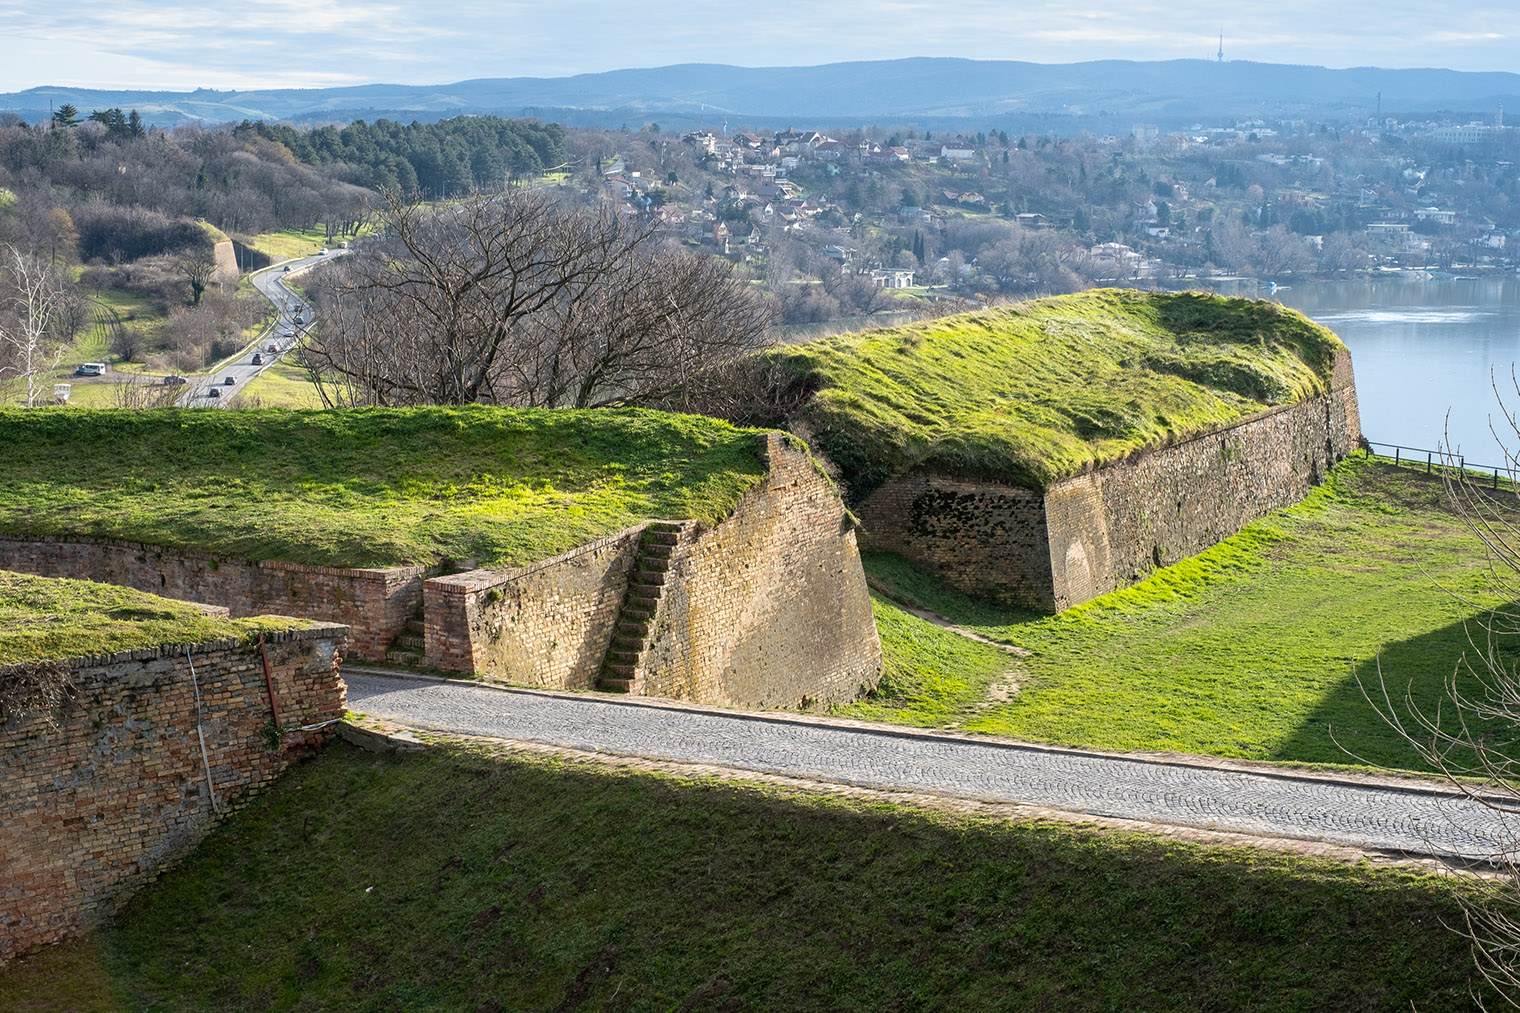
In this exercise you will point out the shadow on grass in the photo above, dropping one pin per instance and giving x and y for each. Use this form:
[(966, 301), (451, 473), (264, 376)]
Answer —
[(1347, 727)]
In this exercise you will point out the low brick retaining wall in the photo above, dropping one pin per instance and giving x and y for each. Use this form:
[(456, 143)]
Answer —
[(373, 603), (101, 798)]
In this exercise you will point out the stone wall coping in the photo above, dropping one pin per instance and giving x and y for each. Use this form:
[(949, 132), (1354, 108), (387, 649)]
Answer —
[(486, 578), (402, 572), (80, 662)]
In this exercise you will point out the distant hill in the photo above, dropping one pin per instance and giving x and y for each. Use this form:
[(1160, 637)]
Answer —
[(929, 92)]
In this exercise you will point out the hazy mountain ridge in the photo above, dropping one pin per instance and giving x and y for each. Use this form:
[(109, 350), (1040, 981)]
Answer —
[(927, 91)]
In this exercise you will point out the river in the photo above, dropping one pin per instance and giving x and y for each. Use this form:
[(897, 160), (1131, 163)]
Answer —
[(1424, 353)]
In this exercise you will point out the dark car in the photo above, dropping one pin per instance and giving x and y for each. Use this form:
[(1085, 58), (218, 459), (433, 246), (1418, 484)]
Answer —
[(230, 381), (258, 360), (214, 392), (172, 380)]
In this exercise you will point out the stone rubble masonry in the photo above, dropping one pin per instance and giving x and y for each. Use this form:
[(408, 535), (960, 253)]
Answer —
[(1092, 533), (768, 608), (373, 604), (111, 793)]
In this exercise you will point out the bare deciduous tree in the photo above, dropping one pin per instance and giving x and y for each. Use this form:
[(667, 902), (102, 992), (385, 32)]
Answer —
[(1482, 693), (31, 294), (517, 299), (198, 269)]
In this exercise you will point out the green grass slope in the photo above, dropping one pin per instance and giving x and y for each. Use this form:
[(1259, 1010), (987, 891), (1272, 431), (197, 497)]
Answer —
[(366, 487), (1043, 390), (42, 618), (1259, 647), (466, 880)]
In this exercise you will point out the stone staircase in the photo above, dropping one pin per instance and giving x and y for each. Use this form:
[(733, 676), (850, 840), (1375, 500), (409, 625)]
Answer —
[(646, 590), (408, 647)]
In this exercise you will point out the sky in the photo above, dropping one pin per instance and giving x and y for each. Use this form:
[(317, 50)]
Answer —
[(172, 45)]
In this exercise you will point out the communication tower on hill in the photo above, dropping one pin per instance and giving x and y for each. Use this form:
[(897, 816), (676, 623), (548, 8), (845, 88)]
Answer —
[(1221, 47)]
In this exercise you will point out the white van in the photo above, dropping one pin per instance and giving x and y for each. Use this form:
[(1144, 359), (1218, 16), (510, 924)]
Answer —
[(91, 369)]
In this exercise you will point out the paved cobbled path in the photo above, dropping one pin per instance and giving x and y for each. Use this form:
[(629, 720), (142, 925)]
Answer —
[(1414, 820)]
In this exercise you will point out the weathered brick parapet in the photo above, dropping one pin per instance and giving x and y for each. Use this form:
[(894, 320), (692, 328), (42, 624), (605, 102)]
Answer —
[(101, 798), (373, 603), (1092, 533), (767, 608)]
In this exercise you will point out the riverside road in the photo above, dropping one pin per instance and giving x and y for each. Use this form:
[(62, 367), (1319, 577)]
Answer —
[(1417, 820)]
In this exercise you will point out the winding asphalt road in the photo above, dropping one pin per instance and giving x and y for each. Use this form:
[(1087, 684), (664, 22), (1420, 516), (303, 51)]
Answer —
[(1415, 819), (282, 334)]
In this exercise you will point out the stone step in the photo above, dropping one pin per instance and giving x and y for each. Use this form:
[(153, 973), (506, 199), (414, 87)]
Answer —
[(638, 601), (627, 645), (610, 684), (616, 657), (650, 564), (416, 626), (653, 539), (664, 526), (415, 641), (619, 671), (637, 613), (649, 578), (398, 656)]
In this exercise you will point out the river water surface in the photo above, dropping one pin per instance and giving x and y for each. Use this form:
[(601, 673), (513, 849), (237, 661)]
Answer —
[(1426, 355)]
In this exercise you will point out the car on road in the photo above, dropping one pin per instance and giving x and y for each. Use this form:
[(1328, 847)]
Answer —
[(171, 380), (322, 252), (213, 392), (258, 360), (91, 369), (230, 381), (287, 267)]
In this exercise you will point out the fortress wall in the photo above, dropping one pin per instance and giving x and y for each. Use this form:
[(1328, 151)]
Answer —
[(979, 537), (547, 625), (101, 798), (1092, 533), (1161, 507), (374, 604), (770, 607)]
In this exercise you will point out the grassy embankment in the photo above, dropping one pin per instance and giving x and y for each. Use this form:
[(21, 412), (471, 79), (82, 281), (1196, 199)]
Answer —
[(1258, 647), (1035, 392), (464, 879), (366, 487), (43, 618)]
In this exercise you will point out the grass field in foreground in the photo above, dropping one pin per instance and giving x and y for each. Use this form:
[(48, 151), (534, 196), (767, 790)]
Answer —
[(1256, 648), (47, 618), (466, 880), (368, 486)]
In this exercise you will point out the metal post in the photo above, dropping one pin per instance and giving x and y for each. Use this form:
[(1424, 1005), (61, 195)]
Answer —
[(1395, 457), (1428, 456)]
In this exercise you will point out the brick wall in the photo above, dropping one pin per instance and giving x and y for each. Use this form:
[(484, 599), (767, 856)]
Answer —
[(770, 607), (547, 624), (105, 800), (767, 608), (374, 604), (1092, 533)]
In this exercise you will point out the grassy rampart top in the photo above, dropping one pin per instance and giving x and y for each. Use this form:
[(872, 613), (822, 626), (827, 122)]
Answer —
[(366, 487), (1043, 390), (46, 619)]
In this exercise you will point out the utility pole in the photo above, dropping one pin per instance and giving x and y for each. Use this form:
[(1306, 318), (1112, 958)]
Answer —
[(1221, 45)]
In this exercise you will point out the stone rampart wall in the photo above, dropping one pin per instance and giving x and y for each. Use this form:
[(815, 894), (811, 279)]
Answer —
[(1093, 533), (767, 608), (548, 624), (103, 797), (374, 604)]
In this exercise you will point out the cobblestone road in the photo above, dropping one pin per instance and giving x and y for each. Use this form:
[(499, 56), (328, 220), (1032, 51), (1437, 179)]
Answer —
[(1416, 821)]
